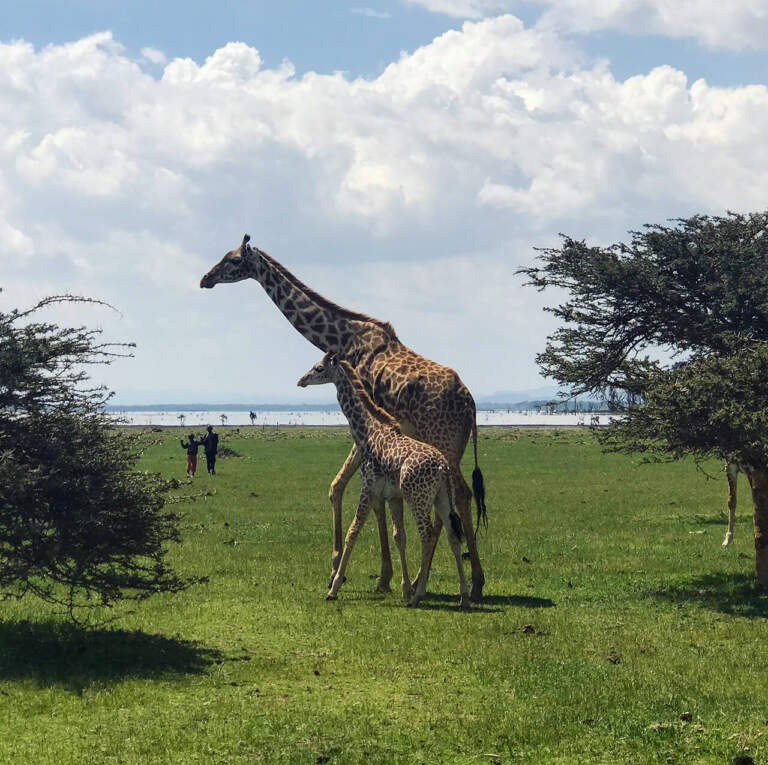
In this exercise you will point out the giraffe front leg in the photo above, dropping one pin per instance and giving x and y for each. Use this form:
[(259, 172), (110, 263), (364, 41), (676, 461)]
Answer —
[(398, 531), (385, 574), (336, 495), (361, 514)]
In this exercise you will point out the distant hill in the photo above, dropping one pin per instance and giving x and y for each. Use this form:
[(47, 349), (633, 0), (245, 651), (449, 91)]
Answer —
[(578, 405), (535, 398), (524, 399), (332, 406), (538, 398), (544, 393), (201, 407)]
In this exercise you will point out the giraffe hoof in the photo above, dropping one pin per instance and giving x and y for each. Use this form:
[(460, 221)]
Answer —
[(464, 602), (383, 587), (331, 596)]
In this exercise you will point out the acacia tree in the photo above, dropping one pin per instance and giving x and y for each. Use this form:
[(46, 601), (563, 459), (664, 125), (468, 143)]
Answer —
[(696, 293), (78, 525)]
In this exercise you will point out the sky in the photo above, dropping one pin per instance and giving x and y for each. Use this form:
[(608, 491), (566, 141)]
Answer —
[(403, 158)]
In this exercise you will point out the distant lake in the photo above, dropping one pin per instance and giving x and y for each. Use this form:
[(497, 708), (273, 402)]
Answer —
[(199, 419)]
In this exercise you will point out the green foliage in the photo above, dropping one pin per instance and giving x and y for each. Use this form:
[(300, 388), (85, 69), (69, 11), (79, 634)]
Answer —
[(698, 291), (77, 522), (711, 404)]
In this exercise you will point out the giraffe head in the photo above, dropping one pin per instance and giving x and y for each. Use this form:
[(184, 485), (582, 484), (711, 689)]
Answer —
[(235, 266), (321, 373)]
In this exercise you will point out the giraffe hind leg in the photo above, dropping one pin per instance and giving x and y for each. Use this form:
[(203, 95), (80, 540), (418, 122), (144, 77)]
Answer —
[(437, 528), (453, 530), (464, 509), (422, 514)]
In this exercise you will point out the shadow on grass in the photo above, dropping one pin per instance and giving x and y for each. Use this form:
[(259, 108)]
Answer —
[(728, 593), (439, 601), (721, 519), (56, 653), (490, 604)]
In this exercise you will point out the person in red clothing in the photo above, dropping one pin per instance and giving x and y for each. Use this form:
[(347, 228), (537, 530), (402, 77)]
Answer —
[(191, 446)]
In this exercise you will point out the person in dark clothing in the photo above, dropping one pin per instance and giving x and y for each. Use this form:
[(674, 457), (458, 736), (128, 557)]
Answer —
[(191, 446), (211, 444)]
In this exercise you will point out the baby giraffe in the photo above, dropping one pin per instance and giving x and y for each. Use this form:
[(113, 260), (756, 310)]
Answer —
[(393, 467)]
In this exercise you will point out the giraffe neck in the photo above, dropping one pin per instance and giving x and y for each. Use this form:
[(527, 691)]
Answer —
[(325, 324), (365, 418)]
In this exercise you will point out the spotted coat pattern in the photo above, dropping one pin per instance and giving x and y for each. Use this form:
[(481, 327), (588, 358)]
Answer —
[(393, 467), (429, 400)]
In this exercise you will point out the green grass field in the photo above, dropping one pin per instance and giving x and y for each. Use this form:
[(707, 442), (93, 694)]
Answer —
[(614, 629)]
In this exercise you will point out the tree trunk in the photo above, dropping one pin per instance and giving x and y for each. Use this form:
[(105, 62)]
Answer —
[(758, 480)]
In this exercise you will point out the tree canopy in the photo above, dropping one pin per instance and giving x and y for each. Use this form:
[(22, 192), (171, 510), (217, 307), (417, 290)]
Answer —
[(694, 288), (674, 326), (78, 525)]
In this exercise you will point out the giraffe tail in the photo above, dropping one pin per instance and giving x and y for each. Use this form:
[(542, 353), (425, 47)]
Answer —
[(456, 527), (478, 485), (453, 516)]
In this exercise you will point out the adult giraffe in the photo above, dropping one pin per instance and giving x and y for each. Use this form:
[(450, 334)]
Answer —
[(430, 401)]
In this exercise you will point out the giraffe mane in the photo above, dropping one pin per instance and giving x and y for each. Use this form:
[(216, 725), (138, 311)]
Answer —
[(373, 409), (323, 302)]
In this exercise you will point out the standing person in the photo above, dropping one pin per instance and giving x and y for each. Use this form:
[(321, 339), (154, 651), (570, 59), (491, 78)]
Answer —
[(191, 446), (211, 445)]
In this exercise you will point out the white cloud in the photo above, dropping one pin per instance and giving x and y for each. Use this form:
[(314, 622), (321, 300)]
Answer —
[(371, 13), (466, 9), (412, 196), (736, 24), (13, 242), (92, 162), (234, 64), (733, 25), (154, 55)]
